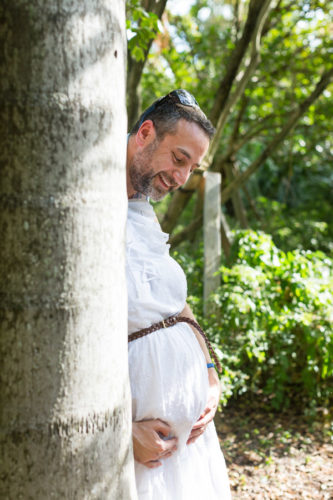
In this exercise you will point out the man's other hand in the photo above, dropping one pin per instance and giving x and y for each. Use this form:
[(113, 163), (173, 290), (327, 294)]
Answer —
[(148, 446), (214, 393)]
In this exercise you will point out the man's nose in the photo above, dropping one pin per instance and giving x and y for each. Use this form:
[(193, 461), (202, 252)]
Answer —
[(180, 175)]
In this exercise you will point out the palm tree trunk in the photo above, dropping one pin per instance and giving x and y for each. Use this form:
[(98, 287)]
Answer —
[(65, 403)]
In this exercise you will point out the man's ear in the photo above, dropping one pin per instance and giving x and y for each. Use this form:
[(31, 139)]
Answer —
[(146, 133)]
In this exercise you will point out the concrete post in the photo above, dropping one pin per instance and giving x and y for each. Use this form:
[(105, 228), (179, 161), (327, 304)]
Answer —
[(212, 235)]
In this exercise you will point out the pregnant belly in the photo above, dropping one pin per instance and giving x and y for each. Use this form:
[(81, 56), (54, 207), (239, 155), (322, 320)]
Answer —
[(168, 378)]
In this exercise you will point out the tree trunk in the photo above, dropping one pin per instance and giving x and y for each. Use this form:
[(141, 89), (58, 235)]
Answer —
[(187, 233), (258, 10), (179, 201), (253, 206), (65, 419), (236, 199)]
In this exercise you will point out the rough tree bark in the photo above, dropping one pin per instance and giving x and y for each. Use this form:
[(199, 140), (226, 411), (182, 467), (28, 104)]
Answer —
[(65, 404)]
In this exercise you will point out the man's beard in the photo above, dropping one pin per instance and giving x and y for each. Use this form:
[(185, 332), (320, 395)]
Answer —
[(142, 175)]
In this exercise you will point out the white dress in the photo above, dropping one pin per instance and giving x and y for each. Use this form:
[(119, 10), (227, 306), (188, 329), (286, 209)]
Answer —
[(168, 372)]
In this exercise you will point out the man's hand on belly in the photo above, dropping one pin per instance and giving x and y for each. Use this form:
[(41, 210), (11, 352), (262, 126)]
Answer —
[(148, 446), (214, 392)]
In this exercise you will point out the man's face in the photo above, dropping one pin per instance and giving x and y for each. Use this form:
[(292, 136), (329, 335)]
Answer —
[(162, 166)]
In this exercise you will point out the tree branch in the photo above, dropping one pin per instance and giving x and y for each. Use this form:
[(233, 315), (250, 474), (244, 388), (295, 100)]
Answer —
[(179, 201), (236, 58), (243, 79), (295, 116), (177, 238)]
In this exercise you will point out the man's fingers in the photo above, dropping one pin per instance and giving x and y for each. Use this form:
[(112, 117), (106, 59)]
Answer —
[(203, 421), (193, 438), (153, 464), (198, 432), (195, 433), (162, 427), (170, 444), (190, 441)]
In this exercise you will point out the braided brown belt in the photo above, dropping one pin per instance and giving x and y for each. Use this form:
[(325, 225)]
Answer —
[(171, 321)]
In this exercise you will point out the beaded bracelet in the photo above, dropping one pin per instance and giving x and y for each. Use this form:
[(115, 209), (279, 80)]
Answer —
[(210, 365)]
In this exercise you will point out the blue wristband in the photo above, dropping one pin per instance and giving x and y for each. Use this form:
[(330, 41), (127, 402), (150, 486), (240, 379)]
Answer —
[(210, 365)]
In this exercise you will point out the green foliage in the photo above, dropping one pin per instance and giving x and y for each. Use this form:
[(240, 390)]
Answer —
[(192, 263), (296, 49), (307, 227), (143, 27), (273, 321)]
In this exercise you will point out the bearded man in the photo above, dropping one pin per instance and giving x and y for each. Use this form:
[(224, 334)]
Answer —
[(174, 384)]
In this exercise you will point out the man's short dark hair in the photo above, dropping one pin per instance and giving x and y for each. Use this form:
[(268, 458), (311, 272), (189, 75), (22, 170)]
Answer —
[(166, 112)]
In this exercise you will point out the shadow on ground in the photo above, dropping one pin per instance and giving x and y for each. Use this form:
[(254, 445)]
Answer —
[(276, 455)]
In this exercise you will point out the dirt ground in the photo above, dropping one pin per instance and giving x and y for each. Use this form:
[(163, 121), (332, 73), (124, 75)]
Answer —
[(276, 456)]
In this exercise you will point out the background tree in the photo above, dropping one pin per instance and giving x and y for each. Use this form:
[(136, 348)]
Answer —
[(65, 404), (249, 64), (262, 70)]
